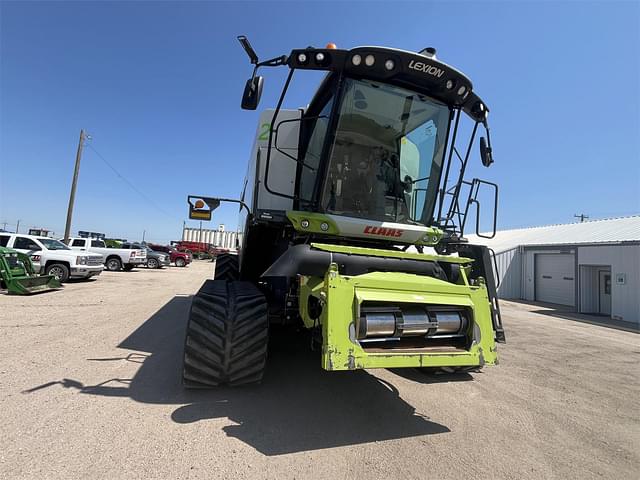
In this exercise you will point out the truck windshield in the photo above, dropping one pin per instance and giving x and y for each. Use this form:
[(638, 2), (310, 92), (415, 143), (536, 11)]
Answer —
[(387, 155), (51, 244)]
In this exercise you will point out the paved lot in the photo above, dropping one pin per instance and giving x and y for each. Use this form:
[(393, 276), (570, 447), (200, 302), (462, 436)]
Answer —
[(90, 388)]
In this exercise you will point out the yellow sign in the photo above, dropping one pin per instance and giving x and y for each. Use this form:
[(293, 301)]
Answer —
[(200, 214)]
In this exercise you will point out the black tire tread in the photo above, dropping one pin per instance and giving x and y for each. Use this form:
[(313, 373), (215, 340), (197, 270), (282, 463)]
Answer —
[(65, 269), (226, 267), (227, 335), (114, 258)]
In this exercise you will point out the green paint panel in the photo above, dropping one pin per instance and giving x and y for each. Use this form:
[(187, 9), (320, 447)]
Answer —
[(341, 296), (316, 222)]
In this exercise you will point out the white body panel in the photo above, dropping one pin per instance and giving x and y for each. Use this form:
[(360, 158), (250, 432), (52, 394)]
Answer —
[(364, 228), (282, 169)]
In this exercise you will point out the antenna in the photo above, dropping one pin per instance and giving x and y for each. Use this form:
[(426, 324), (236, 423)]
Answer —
[(248, 48)]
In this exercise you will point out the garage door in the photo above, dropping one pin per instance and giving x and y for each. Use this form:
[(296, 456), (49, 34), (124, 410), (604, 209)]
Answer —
[(555, 278)]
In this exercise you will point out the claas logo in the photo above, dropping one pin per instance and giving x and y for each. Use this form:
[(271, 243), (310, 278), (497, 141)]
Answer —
[(200, 208), (386, 232)]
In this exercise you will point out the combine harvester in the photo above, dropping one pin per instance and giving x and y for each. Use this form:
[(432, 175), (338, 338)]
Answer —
[(18, 276), (339, 201)]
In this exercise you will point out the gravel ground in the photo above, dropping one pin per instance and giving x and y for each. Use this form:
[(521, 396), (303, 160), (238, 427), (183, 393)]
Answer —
[(90, 388)]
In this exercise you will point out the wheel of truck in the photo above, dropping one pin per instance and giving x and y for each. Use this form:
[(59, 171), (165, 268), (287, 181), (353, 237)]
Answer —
[(152, 263), (59, 271), (113, 264), (227, 335), (226, 267), (180, 262), (128, 267)]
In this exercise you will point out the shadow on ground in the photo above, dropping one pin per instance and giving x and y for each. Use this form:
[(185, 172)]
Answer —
[(298, 406), (418, 376)]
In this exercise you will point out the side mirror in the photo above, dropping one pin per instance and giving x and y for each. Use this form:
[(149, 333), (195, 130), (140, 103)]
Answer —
[(252, 93), (485, 153)]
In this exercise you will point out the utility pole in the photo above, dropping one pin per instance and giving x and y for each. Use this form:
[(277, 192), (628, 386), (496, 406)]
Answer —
[(4, 225), (581, 216), (143, 233), (200, 237), (17, 226), (72, 195)]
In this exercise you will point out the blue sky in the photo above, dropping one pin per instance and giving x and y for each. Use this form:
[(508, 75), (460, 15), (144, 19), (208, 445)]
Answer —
[(158, 86)]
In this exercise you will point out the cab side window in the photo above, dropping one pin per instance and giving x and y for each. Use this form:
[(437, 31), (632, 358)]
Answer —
[(4, 240), (78, 243), (25, 244), (308, 174)]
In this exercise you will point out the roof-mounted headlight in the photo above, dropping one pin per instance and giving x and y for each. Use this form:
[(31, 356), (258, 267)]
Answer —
[(389, 64), (356, 59), (369, 60), (302, 58)]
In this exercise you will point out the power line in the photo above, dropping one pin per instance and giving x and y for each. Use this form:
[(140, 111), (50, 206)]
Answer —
[(124, 179)]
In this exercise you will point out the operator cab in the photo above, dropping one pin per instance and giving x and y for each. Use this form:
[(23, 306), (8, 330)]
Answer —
[(377, 141)]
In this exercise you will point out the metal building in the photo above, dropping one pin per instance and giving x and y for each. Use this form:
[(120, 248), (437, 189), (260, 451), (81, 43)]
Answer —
[(591, 267), (220, 237)]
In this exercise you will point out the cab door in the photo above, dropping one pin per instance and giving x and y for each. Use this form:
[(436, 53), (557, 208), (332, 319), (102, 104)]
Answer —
[(78, 244), (25, 245)]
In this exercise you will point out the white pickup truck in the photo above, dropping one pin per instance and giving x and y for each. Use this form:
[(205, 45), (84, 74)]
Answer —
[(53, 257), (114, 258)]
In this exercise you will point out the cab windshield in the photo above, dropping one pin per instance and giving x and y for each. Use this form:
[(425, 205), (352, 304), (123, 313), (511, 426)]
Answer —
[(387, 155)]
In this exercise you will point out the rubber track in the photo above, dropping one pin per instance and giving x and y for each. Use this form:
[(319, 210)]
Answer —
[(226, 267), (227, 335)]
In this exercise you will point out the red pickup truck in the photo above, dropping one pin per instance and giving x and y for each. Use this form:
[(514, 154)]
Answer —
[(179, 259), (199, 247)]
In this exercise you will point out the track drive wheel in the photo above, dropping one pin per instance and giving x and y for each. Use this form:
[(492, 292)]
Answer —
[(227, 336), (226, 267)]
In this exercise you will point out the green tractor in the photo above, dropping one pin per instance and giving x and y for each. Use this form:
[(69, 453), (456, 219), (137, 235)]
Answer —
[(340, 201), (18, 276)]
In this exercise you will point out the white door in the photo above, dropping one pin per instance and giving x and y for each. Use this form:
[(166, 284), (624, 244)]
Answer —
[(604, 292), (555, 278)]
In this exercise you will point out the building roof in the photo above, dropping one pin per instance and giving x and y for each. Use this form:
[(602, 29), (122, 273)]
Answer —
[(608, 230)]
